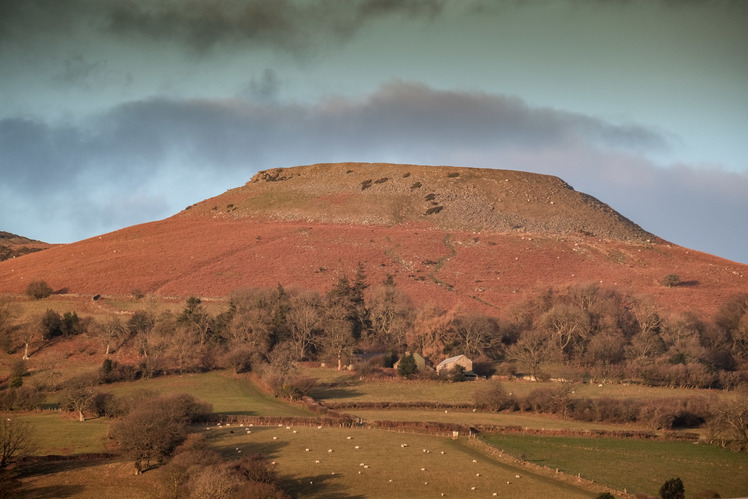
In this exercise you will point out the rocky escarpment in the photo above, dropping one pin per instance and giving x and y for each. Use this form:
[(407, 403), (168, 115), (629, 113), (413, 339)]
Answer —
[(443, 197)]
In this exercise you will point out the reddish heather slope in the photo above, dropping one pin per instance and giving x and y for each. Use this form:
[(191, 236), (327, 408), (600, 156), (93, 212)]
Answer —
[(498, 235)]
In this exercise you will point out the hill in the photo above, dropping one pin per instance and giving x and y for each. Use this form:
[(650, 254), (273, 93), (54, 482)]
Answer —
[(475, 238), (13, 246)]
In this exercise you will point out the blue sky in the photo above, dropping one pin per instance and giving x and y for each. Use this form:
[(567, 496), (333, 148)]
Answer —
[(114, 113)]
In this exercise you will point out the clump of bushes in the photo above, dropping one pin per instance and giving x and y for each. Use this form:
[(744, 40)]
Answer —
[(38, 290), (290, 387), (670, 280)]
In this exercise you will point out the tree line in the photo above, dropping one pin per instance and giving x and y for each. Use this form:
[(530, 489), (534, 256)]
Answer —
[(582, 332)]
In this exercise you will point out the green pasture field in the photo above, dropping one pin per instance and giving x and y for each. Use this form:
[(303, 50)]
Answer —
[(345, 387), (634, 465), (381, 467), (535, 421), (62, 434), (229, 393)]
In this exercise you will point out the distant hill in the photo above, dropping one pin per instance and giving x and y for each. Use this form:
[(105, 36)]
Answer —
[(12, 245), (472, 238)]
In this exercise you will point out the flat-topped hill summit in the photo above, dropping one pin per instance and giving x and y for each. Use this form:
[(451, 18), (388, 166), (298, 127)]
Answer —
[(452, 237), (442, 197)]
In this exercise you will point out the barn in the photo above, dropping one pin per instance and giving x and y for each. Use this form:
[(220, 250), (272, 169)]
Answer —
[(458, 360)]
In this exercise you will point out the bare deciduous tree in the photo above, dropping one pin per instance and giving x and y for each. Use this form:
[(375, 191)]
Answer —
[(304, 322), (391, 315), (15, 441), (111, 332), (532, 351)]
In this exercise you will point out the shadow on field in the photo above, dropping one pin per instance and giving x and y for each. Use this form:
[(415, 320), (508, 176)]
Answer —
[(49, 492), (237, 413), (316, 486), (334, 393), (42, 466)]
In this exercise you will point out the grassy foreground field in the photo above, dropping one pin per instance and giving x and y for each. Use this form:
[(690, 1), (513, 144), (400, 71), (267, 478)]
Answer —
[(635, 465), (366, 471), (374, 463), (379, 468)]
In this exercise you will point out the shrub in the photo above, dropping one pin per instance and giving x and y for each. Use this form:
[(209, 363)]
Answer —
[(456, 374), (407, 367), (493, 397), (670, 280), (290, 387), (17, 371), (239, 360), (154, 429), (38, 290), (673, 489)]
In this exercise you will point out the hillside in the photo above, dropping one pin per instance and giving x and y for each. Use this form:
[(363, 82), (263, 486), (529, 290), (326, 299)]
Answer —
[(440, 197), (449, 236), (13, 246)]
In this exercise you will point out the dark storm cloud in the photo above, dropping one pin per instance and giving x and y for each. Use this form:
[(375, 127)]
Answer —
[(225, 133), (290, 25), (136, 146)]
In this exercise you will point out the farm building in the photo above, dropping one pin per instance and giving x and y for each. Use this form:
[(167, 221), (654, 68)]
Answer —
[(420, 361), (450, 363)]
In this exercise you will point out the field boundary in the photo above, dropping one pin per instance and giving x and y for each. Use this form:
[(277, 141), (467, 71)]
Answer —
[(499, 455)]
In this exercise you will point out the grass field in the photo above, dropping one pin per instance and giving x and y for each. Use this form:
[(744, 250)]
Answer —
[(60, 433), (635, 465), (381, 467), (56, 433), (448, 467), (345, 387), (229, 394)]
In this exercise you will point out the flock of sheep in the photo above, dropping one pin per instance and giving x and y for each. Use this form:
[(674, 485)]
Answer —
[(362, 465)]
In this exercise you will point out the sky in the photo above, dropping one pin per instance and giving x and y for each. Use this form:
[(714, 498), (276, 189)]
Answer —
[(119, 112)]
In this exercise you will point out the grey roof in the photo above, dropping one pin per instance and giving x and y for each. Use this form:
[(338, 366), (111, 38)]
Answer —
[(450, 360)]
